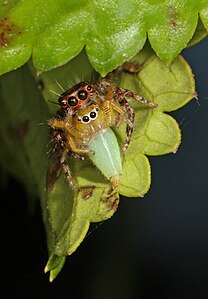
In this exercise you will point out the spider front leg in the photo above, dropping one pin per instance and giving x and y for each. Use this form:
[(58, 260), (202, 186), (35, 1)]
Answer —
[(125, 93), (70, 135), (57, 160), (63, 146), (129, 110), (129, 125), (121, 95), (58, 139), (110, 108), (67, 170), (78, 156)]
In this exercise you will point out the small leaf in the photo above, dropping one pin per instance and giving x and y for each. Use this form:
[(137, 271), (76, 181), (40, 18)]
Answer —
[(136, 175), (170, 87), (54, 265), (199, 34), (170, 33), (162, 135)]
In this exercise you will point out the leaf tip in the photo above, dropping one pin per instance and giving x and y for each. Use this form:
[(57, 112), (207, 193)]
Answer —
[(51, 277), (46, 269)]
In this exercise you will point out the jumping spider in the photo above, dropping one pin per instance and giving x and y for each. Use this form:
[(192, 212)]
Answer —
[(87, 111)]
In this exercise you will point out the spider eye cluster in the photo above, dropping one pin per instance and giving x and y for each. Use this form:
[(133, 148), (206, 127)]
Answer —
[(74, 97), (73, 101), (92, 115)]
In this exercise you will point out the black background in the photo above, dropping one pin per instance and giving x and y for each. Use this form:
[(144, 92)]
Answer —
[(156, 247)]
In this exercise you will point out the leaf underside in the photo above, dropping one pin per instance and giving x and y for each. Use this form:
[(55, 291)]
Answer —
[(55, 31)]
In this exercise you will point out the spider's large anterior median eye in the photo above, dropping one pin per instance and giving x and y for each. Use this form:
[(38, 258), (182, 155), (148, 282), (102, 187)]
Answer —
[(85, 119), (72, 101), (93, 114), (82, 95)]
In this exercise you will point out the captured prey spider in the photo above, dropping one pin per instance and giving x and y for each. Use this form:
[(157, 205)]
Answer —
[(82, 127)]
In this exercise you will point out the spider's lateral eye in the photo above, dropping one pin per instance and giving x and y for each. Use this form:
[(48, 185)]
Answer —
[(63, 103), (89, 87), (82, 95), (85, 119), (72, 101), (79, 119), (93, 114), (97, 109)]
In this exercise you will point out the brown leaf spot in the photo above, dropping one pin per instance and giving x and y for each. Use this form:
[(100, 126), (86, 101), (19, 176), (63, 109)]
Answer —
[(111, 201), (7, 32), (87, 191), (173, 17)]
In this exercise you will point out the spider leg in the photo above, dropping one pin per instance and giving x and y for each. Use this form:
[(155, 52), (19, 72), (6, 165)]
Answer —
[(78, 156), (129, 126), (67, 170), (68, 173), (109, 107), (59, 153), (120, 111), (121, 95), (70, 133), (129, 110), (130, 94)]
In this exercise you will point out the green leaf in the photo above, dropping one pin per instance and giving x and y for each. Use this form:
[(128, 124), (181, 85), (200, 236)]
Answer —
[(67, 228), (162, 135), (204, 17), (136, 175), (76, 210), (170, 33), (155, 133), (6, 5), (54, 265), (172, 86), (113, 31), (199, 34), (67, 214), (23, 130)]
